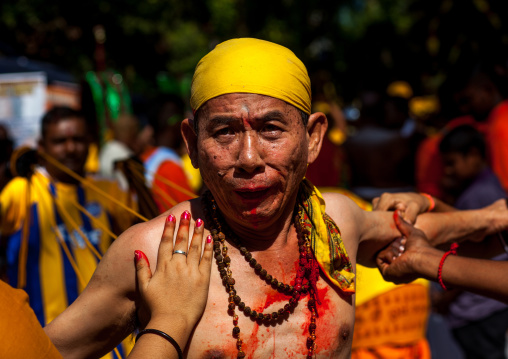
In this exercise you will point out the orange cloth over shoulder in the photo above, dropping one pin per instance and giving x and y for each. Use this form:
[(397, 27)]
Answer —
[(22, 335)]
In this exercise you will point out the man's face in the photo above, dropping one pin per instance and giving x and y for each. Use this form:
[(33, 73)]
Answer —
[(461, 168), (67, 142), (252, 152)]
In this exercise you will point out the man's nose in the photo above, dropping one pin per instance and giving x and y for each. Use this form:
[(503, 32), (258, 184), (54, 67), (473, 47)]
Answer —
[(448, 170), (250, 159), (70, 146)]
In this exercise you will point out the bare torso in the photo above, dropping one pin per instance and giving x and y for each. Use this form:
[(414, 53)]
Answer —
[(114, 281), (286, 338)]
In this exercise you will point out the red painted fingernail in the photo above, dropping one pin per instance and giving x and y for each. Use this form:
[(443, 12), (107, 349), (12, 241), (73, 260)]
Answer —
[(199, 222), (170, 218), (186, 215), (146, 258), (209, 239), (139, 254), (396, 216)]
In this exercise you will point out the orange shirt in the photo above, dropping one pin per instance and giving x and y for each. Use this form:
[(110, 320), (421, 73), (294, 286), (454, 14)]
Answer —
[(22, 335)]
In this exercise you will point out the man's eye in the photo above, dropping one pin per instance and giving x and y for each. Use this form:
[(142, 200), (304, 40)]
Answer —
[(224, 132), (271, 129)]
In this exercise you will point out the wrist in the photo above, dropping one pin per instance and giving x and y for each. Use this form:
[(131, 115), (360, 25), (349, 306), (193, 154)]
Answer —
[(425, 262), (431, 204), (170, 345), (166, 321), (177, 328), (496, 221)]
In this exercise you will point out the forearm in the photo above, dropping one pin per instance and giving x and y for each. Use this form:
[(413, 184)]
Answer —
[(458, 226), (440, 206), (100, 329), (485, 277), (378, 231), (154, 346)]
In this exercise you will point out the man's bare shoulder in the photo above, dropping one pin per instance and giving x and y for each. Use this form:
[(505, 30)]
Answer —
[(348, 217), (340, 206), (146, 236)]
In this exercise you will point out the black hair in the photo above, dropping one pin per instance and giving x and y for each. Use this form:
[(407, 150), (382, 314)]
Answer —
[(463, 139), (156, 113), (305, 118), (57, 114)]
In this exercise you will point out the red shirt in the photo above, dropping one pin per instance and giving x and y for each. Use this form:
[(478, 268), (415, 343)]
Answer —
[(165, 177), (496, 137)]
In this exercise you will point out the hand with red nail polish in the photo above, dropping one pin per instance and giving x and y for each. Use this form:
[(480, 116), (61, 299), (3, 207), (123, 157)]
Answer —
[(175, 294)]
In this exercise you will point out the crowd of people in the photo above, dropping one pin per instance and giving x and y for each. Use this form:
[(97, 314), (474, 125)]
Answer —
[(332, 236)]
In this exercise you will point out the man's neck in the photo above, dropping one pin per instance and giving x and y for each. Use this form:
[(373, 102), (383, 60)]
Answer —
[(273, 236), (64, 178)]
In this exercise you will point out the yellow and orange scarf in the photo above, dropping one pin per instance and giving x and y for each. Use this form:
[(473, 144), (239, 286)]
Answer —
[(326, 241)]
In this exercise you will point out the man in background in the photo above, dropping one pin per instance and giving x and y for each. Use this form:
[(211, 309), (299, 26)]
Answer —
[(55, 226), (479, 324)]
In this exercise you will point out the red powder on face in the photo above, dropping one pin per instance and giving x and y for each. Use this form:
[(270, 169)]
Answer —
[(253, 212)]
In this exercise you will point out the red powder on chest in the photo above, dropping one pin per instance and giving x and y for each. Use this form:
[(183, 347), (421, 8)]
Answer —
[(276, 297)]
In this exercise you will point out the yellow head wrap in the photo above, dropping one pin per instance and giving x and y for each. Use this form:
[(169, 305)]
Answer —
[(251, 66)]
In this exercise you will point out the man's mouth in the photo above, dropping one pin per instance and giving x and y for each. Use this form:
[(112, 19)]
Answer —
[(250, 194), (71, 164)]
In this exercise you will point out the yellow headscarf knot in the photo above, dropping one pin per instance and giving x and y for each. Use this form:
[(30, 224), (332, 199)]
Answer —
[(249, 65)]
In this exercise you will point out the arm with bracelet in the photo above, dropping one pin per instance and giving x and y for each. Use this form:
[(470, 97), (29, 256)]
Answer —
[(181, 281), (411, 204), (411, 257), (428, 212), (175, 294)]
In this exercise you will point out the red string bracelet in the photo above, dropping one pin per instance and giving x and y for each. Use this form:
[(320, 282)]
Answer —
[(453, 251), (432, 203)]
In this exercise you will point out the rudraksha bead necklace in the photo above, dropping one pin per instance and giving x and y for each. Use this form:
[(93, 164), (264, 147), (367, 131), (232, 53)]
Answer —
[(307, 275)]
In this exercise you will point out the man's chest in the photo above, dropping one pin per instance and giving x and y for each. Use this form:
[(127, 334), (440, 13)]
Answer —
[(285, 337)]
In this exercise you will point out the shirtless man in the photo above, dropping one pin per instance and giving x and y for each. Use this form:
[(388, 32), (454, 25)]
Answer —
[(252, 139)]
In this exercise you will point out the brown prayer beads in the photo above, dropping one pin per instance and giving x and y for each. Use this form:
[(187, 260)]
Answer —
[(296, 291)]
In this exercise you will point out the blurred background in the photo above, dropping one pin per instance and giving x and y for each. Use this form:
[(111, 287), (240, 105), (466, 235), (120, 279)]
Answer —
[(356, 42), (397, 79)]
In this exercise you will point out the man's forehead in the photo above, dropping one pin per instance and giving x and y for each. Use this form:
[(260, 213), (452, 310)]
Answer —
[(67, 125), (247, 111), (240, 104)]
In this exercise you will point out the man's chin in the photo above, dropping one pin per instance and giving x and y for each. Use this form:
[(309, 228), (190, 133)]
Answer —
[(260, 213), (63, 176), (254, 219)]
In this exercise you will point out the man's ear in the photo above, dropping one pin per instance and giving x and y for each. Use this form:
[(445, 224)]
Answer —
[(40, 145), (191, 140), (316, 129)]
